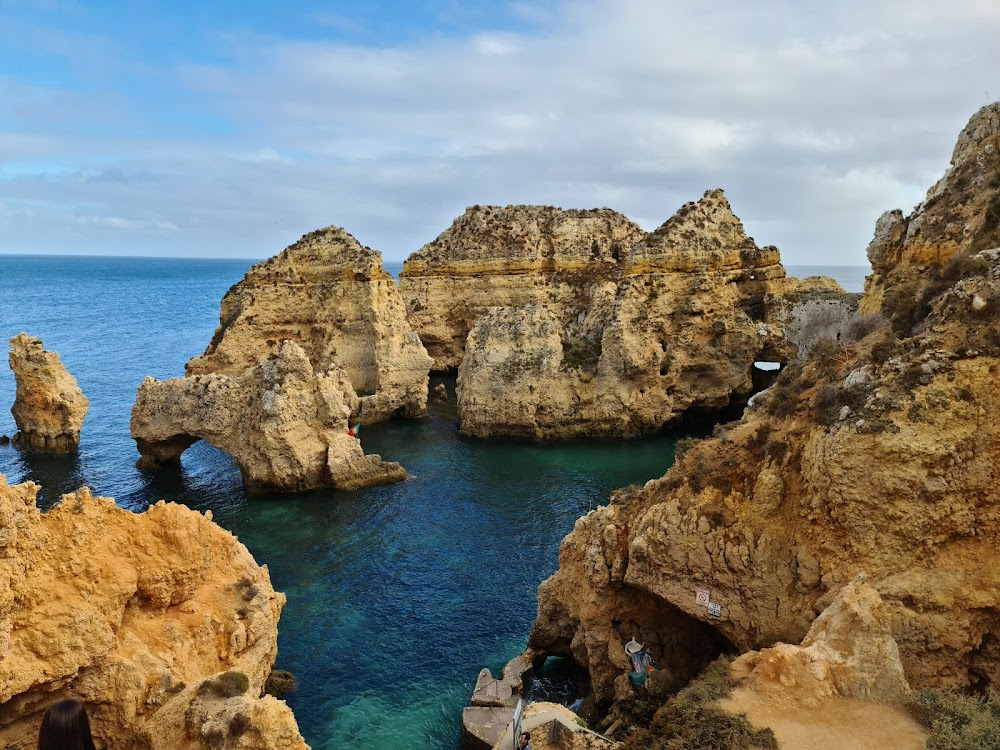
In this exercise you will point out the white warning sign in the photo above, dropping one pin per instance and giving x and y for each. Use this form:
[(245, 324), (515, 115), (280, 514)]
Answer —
[(715, 609), (701, 597)]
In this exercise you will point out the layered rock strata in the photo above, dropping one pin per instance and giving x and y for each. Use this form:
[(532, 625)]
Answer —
[(49, 406), (875, 455), (331, 296), (161, 623), (512, 256), (618, 341), (284, 424)]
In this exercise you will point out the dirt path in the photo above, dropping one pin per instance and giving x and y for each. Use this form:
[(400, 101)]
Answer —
[(836, 724)]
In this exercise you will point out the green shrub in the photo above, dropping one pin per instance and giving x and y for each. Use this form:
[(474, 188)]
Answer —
[(226, 685), (955, 721), (688, 721), (581, 352)]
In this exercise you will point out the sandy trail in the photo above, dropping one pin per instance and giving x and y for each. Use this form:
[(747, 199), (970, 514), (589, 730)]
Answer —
[(835, 724)]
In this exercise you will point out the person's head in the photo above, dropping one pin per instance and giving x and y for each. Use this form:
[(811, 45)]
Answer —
[(65, 726), (523, 740)]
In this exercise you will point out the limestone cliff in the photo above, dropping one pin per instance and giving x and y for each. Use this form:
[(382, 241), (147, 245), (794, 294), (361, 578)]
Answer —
[(510, 256), (160, 622), (49, 406), (634, 340), (284, 424), (331, 296), (960, 215), (874, 455)]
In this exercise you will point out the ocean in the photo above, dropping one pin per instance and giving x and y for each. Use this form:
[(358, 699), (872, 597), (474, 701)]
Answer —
[(397, 595)]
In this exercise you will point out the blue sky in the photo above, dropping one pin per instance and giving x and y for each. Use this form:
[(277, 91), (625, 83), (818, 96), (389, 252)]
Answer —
[(229, 129)]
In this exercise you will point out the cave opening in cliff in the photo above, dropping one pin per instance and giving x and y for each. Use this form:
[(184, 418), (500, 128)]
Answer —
[(681, 646)]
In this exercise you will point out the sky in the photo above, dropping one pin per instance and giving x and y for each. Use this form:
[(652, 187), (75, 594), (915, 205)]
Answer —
[(230, 129)]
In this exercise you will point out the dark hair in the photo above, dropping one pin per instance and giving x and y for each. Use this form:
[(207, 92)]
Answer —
[(65, 727)]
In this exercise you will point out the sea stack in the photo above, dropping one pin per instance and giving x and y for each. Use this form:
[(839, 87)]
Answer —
[(161, 623), (875, 455), (49, 406), (579, 324), (310, 340), (331, 296)]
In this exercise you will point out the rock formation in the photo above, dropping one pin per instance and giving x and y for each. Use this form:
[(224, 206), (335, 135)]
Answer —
[(510, 256), (161, 623), (331, 296), (285, 425), (609, 333), (875, 455), (961, 215), (49, 406), (849, 651)]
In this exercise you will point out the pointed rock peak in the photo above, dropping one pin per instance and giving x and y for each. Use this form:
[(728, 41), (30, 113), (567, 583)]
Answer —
[(979, 136), (328, 250), (712, 214), (703, 235)]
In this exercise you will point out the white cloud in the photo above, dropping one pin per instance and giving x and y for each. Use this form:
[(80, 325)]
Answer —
[(814, 117)]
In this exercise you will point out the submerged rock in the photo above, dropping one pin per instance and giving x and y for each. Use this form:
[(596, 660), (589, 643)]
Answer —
[(284, 424), (49, 406), (614, 342), (161, 623), (875, 455)]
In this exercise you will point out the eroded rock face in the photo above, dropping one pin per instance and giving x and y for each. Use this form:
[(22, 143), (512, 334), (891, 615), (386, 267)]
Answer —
[(510, 256), (961, 214), (874, 456), (671, 324), (331, 296), (49, 406), (849, 651), (138, 616), (284, 424)]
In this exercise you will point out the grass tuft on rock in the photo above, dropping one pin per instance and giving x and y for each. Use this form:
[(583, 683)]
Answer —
[(956, 721), (689, 721), (226, 685)]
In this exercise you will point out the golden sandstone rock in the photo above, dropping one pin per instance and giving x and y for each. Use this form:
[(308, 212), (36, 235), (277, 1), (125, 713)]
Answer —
[(49, 406), (308, 340), (332, 297), (160, 623), (875, 455), (599, 331), (284, 424)]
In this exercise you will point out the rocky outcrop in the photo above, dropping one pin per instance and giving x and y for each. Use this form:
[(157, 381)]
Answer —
[(875, 455), (161, 623), (49, 406), (631, 341), (284, 424), (511, 256), (849, 651), (959, 216), (331, 296)]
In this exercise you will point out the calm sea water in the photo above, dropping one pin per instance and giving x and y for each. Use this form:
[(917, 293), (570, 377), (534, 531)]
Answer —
[(397, 595)]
